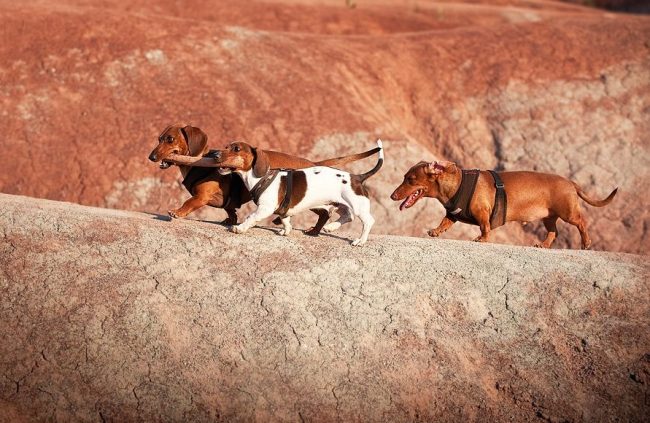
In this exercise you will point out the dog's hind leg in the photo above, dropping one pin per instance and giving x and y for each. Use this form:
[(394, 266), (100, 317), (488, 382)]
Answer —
[(323, 216), (550, 223), (361, 208), (579, 222), (232, 217), (345, 216), (571, 213)]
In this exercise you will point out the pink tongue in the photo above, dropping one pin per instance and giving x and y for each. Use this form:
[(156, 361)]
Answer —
[(407, 202)]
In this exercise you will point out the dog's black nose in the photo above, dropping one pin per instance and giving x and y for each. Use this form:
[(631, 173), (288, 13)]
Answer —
[(153, 157), (214, 154)]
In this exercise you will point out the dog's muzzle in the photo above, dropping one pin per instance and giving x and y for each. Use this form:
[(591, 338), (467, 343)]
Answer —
[(153, 157), (214, 154)]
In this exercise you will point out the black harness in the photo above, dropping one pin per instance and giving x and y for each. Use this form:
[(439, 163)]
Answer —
[(458, 206), (266, 181), (498, 216)]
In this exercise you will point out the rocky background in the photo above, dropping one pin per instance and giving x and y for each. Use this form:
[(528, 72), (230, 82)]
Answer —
[(115, 316), (87, 85)]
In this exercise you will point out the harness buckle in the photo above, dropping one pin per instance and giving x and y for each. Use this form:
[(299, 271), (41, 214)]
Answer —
[(499, 184)]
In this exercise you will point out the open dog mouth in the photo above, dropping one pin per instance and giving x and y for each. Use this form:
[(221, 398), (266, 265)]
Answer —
[(411, 199), (164, 164), (226, 170)]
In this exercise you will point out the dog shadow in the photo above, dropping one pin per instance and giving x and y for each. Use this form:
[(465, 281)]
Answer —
[(273, 230), (161, 217), (168, 218), (276, 230), (330, 235)]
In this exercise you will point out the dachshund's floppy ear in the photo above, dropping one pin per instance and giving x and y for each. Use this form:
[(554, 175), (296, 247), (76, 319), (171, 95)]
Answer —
[(261, 165), (197, 140), (436, 168)]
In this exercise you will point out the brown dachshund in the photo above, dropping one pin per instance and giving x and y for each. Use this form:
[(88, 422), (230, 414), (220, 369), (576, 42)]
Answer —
[(208, 187), (530, 196)]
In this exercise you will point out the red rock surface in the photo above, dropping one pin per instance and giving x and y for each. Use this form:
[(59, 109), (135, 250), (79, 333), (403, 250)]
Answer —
[(86, 86), (116, 316)]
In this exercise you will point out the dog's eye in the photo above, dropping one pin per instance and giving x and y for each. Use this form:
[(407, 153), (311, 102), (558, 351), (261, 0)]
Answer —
[(170, 139), (236, 149)]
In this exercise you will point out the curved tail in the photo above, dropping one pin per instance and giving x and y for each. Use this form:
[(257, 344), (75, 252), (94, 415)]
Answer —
[(595, 203), (375, 169), (347, 159)]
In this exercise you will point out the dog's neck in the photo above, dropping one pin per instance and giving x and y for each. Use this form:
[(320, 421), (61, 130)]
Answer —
[(448, 188), (249, 178)]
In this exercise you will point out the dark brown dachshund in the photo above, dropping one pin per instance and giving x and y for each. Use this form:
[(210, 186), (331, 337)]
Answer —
[(530, 196), (228, 192)]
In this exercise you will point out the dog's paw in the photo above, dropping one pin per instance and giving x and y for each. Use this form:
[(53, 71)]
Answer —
[(228, 221), (480, 239), (358, 242), (238, 229), (331, 227), (433, 233), (173, 214), (312, 231), (284, 232)]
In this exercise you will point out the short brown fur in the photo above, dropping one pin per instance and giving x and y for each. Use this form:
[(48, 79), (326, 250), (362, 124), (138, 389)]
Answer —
[(298, 190), (531, 196)]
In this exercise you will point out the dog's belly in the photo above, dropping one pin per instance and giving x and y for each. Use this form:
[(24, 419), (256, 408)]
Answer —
[(528, 208), (313, 201), (529, 213)]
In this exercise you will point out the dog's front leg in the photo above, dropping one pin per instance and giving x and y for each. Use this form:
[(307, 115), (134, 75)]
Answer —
[(262, 212), (445, 224), (192, 204), (286, 222), (484, 223)]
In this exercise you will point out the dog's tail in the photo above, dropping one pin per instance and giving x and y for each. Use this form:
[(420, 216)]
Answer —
[(595, 203), (375, 169), (338, 161)]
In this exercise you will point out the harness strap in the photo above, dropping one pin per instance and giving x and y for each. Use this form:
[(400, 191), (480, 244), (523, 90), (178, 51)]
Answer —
[(458, 206), (284, 206), (263, 184), (498, 216)]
